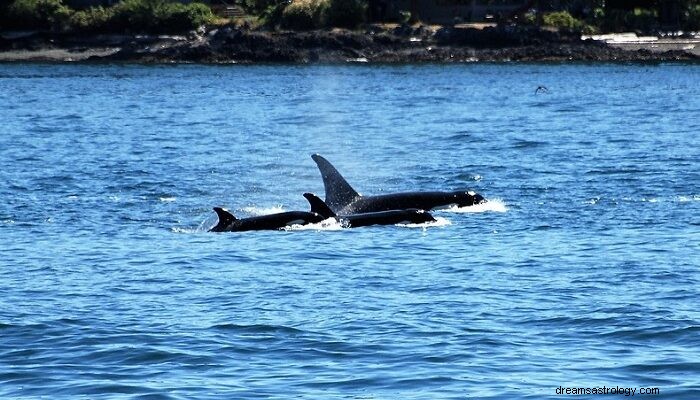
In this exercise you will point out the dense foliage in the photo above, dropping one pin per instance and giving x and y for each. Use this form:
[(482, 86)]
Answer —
[(316, 14), (593, 15), (153, 16), (35, 14), (171, 16), (305, 14), (561, 19)]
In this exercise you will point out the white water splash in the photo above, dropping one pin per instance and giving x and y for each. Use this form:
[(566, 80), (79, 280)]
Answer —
[(184, 230), (495, 205), (255, 211), (439, 221), (686, 199), (167, 199), (204, 226), (330, 224)]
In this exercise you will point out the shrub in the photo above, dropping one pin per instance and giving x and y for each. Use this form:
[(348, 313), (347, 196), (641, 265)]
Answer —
[(404, 16), (134, 15), (261, 6), (347, 13), (305, 14), (178, 17), (94, 19), (564, 20), (159, 16), (561, 19), (529, 18)]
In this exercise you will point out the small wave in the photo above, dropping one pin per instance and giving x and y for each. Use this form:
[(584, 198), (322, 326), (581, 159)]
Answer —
[(495, 205), (167, 199), (469, 177), (673, 335), (525, 144), (258, 328)]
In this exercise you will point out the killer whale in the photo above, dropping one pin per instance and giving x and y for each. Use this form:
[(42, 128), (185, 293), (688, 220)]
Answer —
[(229, 223), (344, 200), (391, 217)]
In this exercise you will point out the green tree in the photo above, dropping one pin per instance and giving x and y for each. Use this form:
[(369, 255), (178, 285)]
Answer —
[(37, 14)]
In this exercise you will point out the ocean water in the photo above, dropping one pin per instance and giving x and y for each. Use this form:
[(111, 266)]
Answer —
[(581, 272)]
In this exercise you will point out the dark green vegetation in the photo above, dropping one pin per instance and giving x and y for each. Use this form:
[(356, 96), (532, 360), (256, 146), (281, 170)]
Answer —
[(314, 14), (169, 16), (601, 16), (136, 16)]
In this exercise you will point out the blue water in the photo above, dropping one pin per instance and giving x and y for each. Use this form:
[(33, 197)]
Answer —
[(583, 270)]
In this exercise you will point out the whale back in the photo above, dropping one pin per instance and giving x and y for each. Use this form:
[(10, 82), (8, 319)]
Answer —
[(339, 193)]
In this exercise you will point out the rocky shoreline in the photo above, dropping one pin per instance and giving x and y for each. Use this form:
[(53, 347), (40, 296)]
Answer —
[(400, 44)]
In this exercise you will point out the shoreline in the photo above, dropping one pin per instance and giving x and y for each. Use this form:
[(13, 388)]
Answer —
[(377, 44)]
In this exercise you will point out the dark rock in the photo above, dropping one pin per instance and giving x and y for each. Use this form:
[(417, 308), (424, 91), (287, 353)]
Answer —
[(449, 44)]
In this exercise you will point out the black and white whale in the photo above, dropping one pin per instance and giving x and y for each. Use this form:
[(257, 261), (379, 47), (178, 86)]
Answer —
[(344, 200), (391, 217), (229, 223)]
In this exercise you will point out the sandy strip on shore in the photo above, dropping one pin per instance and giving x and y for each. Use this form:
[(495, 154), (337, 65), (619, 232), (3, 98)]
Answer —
[(57, 54)]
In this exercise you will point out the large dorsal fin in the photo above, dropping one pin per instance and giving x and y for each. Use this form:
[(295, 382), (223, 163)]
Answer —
[(339, 193), (318, 206), (225, 219)]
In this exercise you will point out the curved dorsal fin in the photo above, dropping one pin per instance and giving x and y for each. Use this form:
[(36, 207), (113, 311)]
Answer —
[(225, 219), (318, 206), (339, 193)]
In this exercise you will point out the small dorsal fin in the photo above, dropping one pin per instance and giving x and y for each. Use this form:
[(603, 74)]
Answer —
[(318, 206), (225, 219), (339, 193)]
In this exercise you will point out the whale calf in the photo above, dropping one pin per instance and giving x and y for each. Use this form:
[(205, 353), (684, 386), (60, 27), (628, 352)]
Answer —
[(229, 223), (391, 217), (344, 200)]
